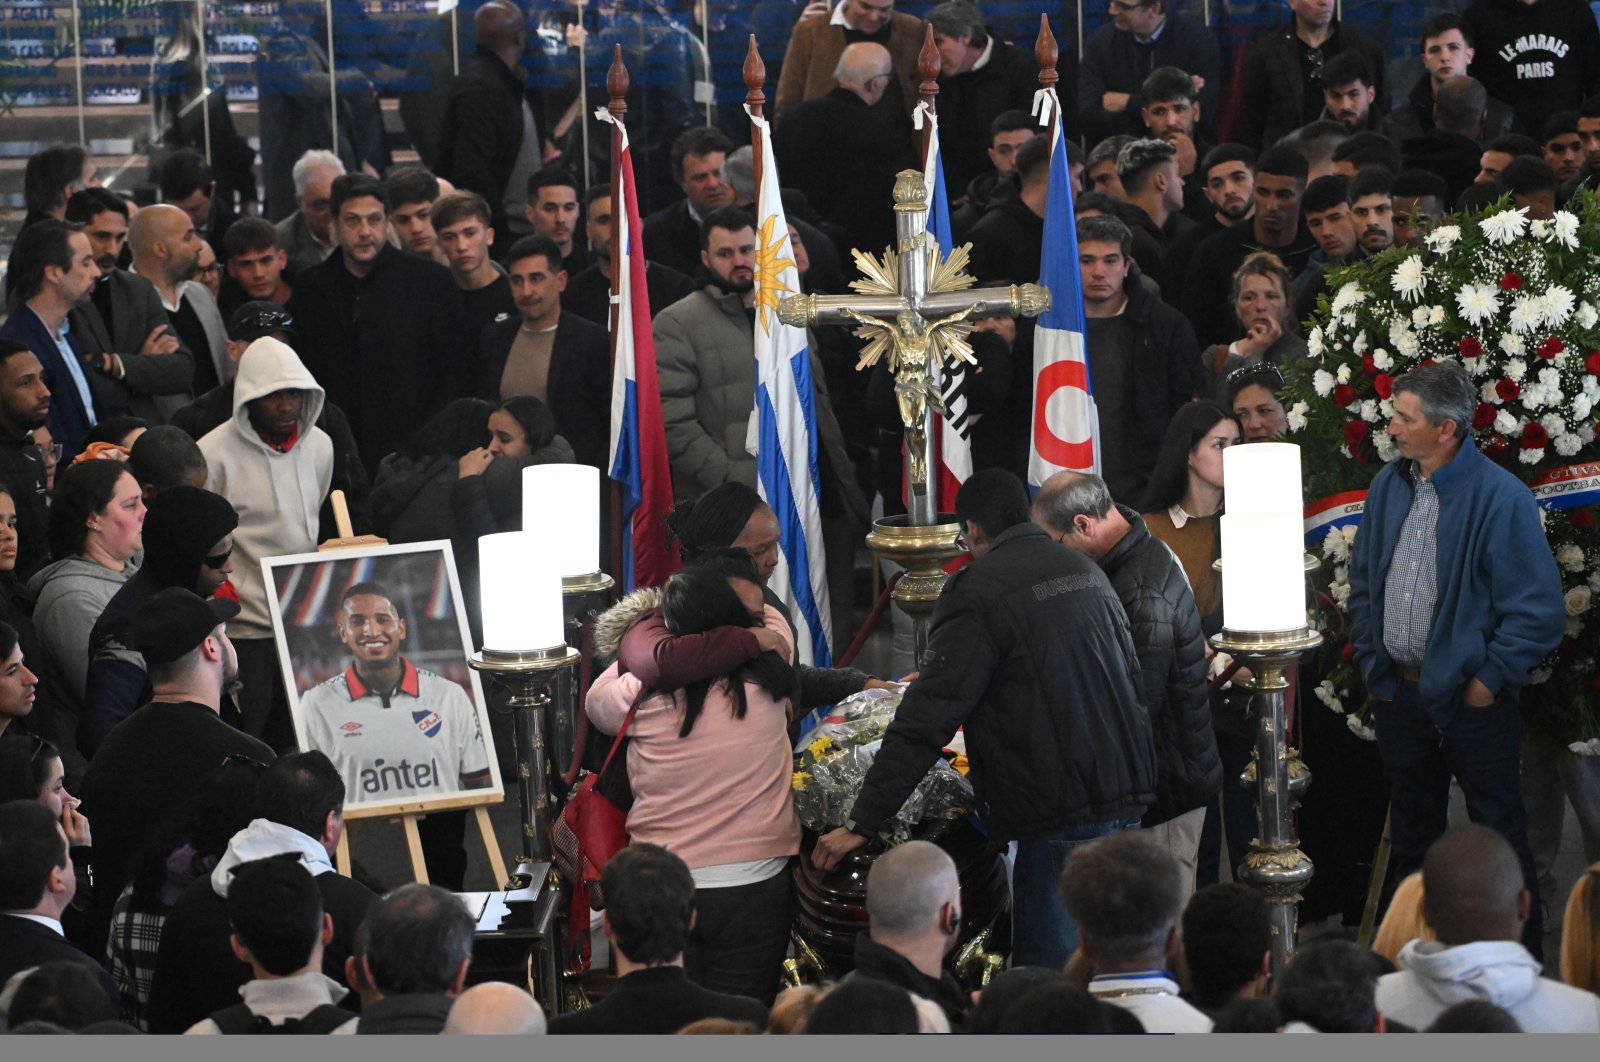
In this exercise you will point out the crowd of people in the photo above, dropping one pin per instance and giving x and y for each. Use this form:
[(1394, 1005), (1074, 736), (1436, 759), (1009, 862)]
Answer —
[(185, 385)]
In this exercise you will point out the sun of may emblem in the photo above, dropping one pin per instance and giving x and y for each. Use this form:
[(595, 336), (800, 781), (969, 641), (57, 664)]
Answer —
[(769, 269)]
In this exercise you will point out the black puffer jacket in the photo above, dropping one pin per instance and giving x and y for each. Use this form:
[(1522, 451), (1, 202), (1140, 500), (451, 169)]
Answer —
[(1030, 651), (1155, 593)]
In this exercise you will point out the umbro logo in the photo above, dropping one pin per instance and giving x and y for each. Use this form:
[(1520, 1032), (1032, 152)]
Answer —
[(351, 729)]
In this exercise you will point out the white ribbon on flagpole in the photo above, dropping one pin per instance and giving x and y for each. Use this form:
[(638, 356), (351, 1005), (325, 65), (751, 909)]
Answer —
[(1045, 102)]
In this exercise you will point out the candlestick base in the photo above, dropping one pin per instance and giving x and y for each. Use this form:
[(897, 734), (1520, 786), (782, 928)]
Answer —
[(922, 550)]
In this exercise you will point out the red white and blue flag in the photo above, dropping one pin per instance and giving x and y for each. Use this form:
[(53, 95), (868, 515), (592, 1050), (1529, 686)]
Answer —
[(638, 432), (954, 445), (1066, 425)]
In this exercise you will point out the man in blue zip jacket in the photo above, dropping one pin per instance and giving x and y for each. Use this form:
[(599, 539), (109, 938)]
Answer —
[(1454, 597)]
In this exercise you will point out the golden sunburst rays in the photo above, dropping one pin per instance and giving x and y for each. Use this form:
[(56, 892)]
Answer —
[(879, 276), (950, 273), (770, 265), (878, 338), (950, 344)]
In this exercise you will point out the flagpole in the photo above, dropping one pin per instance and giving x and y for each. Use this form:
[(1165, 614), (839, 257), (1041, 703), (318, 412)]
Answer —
[(755, 80), (617, 86), (925, 510), (1047, 53)]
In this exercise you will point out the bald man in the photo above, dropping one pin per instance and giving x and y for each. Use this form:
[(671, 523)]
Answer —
[(489, 142), (913, 922), (494, 1008), (166, 252), (1474, 900), (857, 196)]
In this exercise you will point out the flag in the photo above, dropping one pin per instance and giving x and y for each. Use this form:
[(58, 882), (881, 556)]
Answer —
[(954, 439), (783, 425), (1066, 426), (638, 432)]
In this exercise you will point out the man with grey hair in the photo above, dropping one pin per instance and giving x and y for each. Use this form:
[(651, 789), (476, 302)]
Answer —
[(419, 946), (1143, 357), (1077, 510), (306, 236), (913, 922), (857, 196), (1152, 182), (1126, 892), (1454, 598)]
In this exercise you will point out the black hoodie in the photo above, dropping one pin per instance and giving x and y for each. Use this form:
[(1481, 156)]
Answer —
[(1540, 58)]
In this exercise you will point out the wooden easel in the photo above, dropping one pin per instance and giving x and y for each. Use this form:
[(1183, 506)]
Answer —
[(407, 815)]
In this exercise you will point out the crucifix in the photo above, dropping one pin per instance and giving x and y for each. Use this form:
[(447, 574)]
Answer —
[(914, 305)]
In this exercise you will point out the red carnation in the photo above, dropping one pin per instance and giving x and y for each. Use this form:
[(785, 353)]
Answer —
[(1534, 437), (1483, 416), (1507, 389), (1470, 347), (1592, 363), (1383, 383), (1368, 366), (1497, 448), (1354, 432), (1510, 282), (1551, 347), (1582, 519), (1344, 394), (1360, 454), (1348, 653), (1424, 363)]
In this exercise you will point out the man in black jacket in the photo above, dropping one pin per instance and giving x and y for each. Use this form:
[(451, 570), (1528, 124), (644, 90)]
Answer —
[(981, 77), (381, 329), (559, 358), (1283, 69), (1008, 239), (24, 406), (1030, 651), (913, 922), (1076, 508), (672, 234), (1139, 39), (484, 145), (301, 815), (649, 909)]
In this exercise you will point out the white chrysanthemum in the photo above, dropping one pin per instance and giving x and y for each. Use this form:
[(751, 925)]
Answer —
[(1343, 374), (1534, 396), (1314, 343), (1334, 546), (1556, 306), (1567, 445), (1477, 302), (1341, 573), (1408, 344), (1360, 729), (1582, 406), (1591, 387), (1443, 238), (1346, 297), (1564, 230), (1387, 450), (1526, 313), (1328, 694), (1436, 316), (1578, 600), (1587, 316), (1322, 383), (1552, 423), (1531, 457), (1348, 320), (1369, 411), (1550, 378), (1419, 317), (1410, 278), (1340, 593), (1538, 228), (1513, 345), (1382, 360), (1506, 424), (1360, 343), (1516, 368), (1488, 393), (1504, 228), (1296, 416), (1570, 557), (1386, 407)]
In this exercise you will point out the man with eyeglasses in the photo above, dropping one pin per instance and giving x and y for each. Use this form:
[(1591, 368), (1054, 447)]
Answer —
[(980, 78), (857, 196), (189, 544), (817, 43), (1141, 38), (306, 235), (1283, 69)]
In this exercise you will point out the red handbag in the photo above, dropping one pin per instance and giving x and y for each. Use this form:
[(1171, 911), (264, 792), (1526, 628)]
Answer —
[(589, 832)]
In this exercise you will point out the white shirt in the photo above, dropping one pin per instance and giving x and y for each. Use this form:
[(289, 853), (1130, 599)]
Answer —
[(1152, 997), (418, 742), (43, 920)]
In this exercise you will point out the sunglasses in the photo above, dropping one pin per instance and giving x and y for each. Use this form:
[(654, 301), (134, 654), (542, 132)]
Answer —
[(39, 745), (239, 759), (1267, 374), (217, 563)]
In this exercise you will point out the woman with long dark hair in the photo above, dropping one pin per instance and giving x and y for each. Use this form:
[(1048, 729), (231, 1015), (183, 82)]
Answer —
[(709, 764), (1183, 507)]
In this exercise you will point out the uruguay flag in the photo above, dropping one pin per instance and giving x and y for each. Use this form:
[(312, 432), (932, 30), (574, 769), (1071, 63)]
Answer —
[(1066, 425), (955, 433), (783, 426), (638, 433)]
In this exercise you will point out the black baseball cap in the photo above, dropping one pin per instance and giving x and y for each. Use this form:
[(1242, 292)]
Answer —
[(259, 318), (173, 622)]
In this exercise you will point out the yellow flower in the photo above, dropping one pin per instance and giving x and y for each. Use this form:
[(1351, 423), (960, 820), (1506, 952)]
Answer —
[(960, 764), (798, 781), (819, 746)]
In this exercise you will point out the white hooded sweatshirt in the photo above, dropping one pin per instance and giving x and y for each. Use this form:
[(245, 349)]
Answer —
[(1434, 977), (263, 839), (277, 494)]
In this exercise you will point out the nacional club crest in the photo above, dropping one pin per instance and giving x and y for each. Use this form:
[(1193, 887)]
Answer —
[(428, 722)]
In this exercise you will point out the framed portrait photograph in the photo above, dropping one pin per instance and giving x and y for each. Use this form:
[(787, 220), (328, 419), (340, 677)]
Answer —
[(374, 646)]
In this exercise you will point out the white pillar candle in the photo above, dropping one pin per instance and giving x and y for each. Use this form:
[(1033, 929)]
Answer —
[(521, 594), (1263, 572), (1262, 478), (561, 509)]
